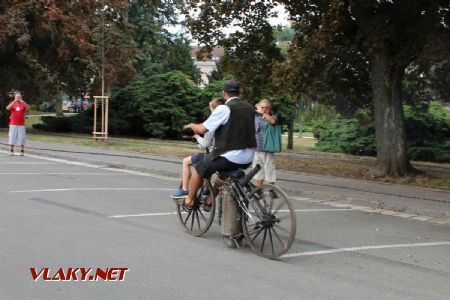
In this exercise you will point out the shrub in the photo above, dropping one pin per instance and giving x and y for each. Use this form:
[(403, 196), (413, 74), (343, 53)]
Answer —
[(427, 134), (348, 136), (441, 152), (420, 153), (160, 105), (55, 124)]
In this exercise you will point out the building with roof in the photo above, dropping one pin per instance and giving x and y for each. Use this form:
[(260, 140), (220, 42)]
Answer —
[(206, 62)]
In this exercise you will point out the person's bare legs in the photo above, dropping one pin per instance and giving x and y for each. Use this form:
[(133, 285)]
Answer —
[(259, 182), (12, 149), (22, 150), (186, 171), (194, 184)]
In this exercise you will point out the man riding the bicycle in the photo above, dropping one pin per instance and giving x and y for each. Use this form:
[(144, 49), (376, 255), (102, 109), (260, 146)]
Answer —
[(233, 125)]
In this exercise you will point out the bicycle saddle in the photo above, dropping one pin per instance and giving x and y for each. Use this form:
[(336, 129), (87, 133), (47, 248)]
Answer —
[(234, 174)]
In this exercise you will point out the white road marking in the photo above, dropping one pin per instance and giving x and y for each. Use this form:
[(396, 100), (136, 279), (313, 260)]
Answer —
[(362, 248), (76, 163), (144, 215), (319, 210), (174, 213), (303, 199), (66, 173), (90, 189), (27, 163), (382, 211), (444, 221)]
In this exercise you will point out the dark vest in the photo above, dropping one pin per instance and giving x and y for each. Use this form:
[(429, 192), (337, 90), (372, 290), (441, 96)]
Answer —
[(239, 132)]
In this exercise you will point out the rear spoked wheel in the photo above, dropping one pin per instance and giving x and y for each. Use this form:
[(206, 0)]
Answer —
[(270, 223), (197, 221)]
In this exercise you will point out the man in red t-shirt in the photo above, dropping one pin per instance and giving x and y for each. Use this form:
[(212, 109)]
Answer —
[(18, 108)]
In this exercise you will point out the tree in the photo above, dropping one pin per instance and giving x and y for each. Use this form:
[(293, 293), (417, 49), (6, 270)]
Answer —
[(160, 105), (150, 36), (56, 45), (159, 50), (251, 50), (426, 81), (40, 42), (390, 46), (359, 36), (179, 59)]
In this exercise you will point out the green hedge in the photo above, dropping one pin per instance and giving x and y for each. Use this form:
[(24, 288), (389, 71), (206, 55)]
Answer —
[(156, 107), (348, 136), (427, 134)]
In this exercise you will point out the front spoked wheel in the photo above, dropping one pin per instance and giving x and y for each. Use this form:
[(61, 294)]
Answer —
[(270, 224), (197, 221)]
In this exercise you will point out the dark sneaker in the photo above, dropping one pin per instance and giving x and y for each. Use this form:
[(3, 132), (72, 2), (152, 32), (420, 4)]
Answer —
[(233, 242), (273, 195), (180, 193)]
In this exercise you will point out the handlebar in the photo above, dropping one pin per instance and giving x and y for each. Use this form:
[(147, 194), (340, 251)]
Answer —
[(249, 176), (189, 138)]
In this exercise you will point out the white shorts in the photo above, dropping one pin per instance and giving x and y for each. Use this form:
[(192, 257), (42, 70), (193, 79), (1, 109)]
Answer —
[(267, 162), (17, 135)]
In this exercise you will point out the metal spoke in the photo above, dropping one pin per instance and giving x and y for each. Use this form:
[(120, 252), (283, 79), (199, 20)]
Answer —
[(197, 222), (278, 237), (279, 206), (192, 221), (259, 231), (187, 218), (279, 231), (198, 219), (271, 241), (203, 216), (270, 206), (264, 240), (283, 217)]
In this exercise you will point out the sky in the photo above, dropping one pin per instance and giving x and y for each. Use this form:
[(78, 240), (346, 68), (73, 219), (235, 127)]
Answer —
[(282, 19)]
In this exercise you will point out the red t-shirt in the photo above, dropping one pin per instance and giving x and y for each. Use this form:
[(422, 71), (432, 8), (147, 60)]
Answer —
[(17, 114)]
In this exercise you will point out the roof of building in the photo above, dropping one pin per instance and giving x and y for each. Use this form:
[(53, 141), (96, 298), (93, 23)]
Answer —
[(216, 52)]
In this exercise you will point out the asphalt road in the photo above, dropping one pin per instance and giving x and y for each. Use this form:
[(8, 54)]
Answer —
[(60, 214)]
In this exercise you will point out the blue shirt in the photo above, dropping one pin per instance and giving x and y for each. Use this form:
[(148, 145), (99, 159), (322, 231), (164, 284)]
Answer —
[(260, 127)]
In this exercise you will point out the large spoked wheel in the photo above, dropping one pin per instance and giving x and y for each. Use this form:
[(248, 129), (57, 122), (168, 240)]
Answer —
[(270, 223), (197, 221)]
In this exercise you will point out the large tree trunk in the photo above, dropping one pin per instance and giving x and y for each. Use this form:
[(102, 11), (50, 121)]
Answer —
[(386, 82)]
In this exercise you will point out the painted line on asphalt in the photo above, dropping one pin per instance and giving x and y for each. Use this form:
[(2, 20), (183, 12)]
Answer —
[(144, 215), (363, 248), (89, 189), (174, 213), (387, 212), (318, 210), (440, 221), (27, 163), (64, 173), (89, 165), (303, 199)]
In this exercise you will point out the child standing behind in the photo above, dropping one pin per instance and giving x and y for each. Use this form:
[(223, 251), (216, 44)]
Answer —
[(205, 142)]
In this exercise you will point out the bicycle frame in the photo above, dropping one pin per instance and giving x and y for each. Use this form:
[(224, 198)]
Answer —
[(240, 196)]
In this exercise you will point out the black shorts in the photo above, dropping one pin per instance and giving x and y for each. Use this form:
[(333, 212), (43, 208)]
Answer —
[(195, 158), (206, 167)]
